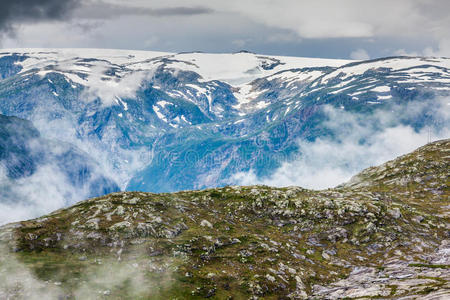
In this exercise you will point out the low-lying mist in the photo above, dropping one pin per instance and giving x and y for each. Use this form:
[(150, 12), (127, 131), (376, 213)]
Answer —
[(358, 141), (105, 276), (38, 176)]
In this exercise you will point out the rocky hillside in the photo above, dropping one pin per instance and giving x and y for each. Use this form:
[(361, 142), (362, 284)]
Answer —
[(382, 235)]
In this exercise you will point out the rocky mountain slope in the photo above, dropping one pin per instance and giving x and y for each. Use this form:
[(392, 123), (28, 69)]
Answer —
[(166, 122), (384, 234)]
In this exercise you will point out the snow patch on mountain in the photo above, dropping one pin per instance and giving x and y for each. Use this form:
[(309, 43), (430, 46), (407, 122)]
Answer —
[(245, 94), (159, 114), (381, 89), (48, 55), (394, 64), (240, 68)]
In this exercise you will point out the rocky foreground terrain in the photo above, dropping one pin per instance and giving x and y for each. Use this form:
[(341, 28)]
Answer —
[(384, 234)]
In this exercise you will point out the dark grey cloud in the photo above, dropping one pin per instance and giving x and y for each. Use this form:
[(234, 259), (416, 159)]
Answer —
[(103, 10), (14, 12)]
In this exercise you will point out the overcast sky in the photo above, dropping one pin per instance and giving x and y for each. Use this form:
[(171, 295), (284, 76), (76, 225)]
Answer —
[(357, 29)]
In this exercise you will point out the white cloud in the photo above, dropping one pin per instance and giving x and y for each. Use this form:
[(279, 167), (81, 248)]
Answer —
[(326, 162), (151, 42), (18, 281), (359, 54), (283, 37), (335, 19), (109, 89), (403, 52), (239, 43), (45, 191), (443, 49)]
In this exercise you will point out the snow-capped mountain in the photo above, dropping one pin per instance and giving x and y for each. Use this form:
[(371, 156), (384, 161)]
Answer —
[(163, 121)]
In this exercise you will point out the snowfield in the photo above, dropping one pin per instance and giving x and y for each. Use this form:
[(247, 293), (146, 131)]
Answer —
[(235, 69)]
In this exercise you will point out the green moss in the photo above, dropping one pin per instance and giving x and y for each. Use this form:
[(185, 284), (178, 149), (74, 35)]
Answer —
[(393, 289), (430, 266)]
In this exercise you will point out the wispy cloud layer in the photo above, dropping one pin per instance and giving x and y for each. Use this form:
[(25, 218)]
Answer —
[(360, 141)]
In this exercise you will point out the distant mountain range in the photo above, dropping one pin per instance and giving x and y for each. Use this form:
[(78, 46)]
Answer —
[(161, 122)]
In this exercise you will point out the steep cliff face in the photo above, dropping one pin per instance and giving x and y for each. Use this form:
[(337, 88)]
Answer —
[(383, 234)]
